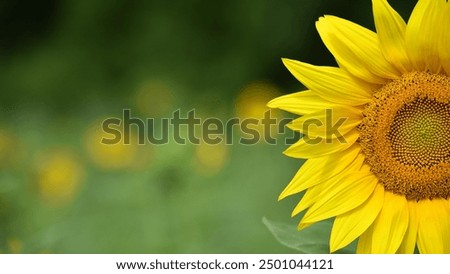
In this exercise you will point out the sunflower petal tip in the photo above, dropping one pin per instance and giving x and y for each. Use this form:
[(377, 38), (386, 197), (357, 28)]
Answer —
[(319, 23), (271, 103), (302, 225), (291, 125), (288, 62), (282, 196), (288, 152), (334, 246), (305, 220)]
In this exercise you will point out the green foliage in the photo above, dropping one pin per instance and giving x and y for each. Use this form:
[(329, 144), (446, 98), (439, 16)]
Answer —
[(311, 240)]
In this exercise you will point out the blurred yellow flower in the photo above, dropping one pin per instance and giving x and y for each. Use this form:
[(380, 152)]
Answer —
[(210, 159), (60, 175), (251, 102), (116, 156), (6, 147), (15, 245), (154, 98)]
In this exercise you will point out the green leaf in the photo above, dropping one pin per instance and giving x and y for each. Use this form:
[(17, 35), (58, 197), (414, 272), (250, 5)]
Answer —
[(311, 240)]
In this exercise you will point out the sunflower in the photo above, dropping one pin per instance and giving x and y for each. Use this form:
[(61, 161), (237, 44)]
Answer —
[(376, 132)]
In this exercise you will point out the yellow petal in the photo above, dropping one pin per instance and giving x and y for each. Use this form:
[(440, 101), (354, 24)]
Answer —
[(341, 197), (390, 226), (409, 241), (356, 49), (391, 35), (349, 226), (444, 47), (310, 197), (314, 171), (365, 242), (434, 226), (303, 102), (313, 147), (423, 34), (331, 83), (328, 123), (315, 192), (301, 226)]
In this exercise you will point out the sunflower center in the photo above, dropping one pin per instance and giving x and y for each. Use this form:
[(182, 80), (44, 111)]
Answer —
[(419, 133), (405, 136)]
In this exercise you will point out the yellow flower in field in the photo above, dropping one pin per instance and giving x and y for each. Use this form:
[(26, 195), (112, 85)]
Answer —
[(385, 174), (251, 103), (210, 159), (15, 245), (60, 175), (11, 149), (115, 156), (154, 98)]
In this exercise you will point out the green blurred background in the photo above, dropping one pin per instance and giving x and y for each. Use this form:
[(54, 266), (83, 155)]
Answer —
[(67, 65)]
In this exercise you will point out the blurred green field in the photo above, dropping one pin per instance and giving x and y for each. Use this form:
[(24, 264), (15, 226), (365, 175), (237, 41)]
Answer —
[(67, 65)]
